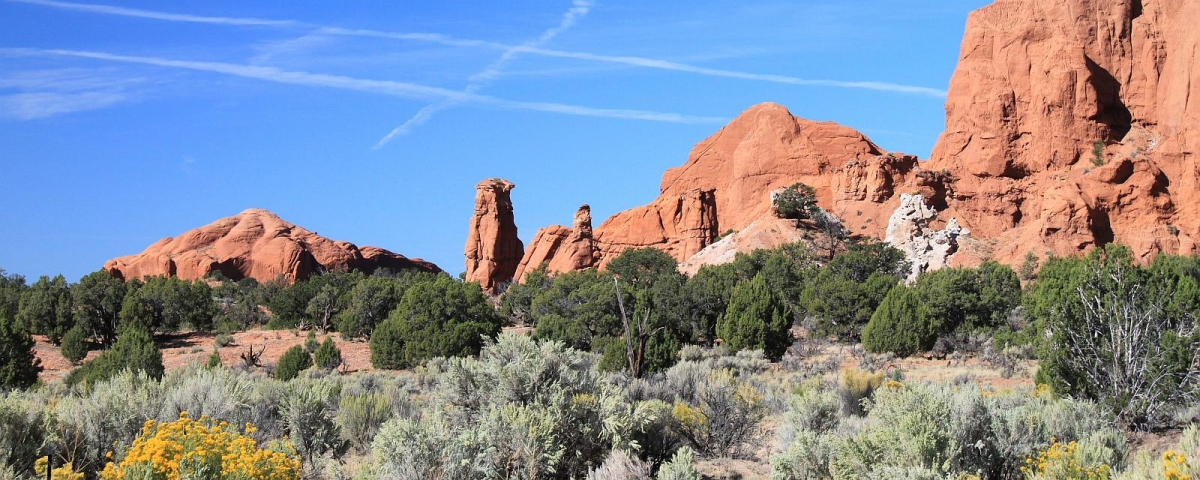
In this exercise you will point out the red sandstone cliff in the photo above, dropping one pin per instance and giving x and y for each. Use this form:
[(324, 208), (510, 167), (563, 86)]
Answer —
[(493, 250), (1040, 86), (257, 244), (1038, 83)]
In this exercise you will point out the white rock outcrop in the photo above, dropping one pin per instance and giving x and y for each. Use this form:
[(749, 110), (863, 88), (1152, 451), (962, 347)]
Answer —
[(908, 230)]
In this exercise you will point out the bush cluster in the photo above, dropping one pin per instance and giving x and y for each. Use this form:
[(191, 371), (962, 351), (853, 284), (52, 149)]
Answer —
[(918, 430), (203, 448)]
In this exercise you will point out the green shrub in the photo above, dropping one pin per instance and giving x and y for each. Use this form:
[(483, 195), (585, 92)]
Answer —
[(22, 430), (523, 409), (74, 345), (899, 325), (681, 467), (19, 367), (292, 362), (309, 410), (45, 308), (1122, 334), (443, 318), (360, 417), (223, 340), (310, 342), (756, 319), (387, 346), (134, 350), (796, 201), (214, 360), (327, 356)]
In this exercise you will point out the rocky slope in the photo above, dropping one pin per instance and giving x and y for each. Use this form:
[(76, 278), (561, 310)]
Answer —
[(493, 250), (257, 244), (1069, 124)]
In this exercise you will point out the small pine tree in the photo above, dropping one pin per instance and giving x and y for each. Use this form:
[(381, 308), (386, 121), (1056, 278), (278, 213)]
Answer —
[(293, 361), (898, 325), (310, 343), (327, 355), (1028, 269), (74, 345), (134, 350), (19, 367), (387, 345), (756, 319), (214, 360)]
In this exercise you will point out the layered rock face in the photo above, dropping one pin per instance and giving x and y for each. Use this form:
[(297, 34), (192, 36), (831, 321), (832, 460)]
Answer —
[(493, 250), (256, 244), (1047, 91), (727, 181)]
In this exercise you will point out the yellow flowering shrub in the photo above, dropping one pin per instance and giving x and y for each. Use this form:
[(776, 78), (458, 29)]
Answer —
[(201, 448), (65, 472), (1061, 461), (1175, 466), (689, 417)]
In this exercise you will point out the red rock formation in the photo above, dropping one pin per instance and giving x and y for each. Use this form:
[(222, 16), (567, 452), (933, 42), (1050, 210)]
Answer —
[(493, 250), (727, 181), (561, 248), (257, 244), (1039, 82)]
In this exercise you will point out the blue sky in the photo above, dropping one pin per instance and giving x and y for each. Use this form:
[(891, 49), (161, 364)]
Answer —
[(371, 121)]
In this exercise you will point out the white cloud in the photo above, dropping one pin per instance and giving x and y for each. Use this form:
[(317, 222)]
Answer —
[(48, 93), (35, 105), (384, 87)]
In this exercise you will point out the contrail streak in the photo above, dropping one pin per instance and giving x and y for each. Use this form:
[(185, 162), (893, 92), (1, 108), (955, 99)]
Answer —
[(469, 43), (385, 87), (171, 17), (489, 73)]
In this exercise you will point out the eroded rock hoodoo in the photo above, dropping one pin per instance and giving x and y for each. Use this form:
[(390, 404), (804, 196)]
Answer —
[(493, 250)]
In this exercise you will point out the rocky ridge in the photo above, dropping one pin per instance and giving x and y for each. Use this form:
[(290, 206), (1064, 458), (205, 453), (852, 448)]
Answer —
[(1068, 125), (255, 244)]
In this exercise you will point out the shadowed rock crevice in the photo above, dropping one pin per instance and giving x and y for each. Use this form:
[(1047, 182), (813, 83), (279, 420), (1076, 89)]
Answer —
[(1113, 113)]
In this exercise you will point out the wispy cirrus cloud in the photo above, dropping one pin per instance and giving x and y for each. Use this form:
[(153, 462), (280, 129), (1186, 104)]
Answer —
[(35, 105), (150, 14), (46, 93), (384, 87), (489, 73), (447, 40)]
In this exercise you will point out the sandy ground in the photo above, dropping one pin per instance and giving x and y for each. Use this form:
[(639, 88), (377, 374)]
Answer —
[(180, 349)]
